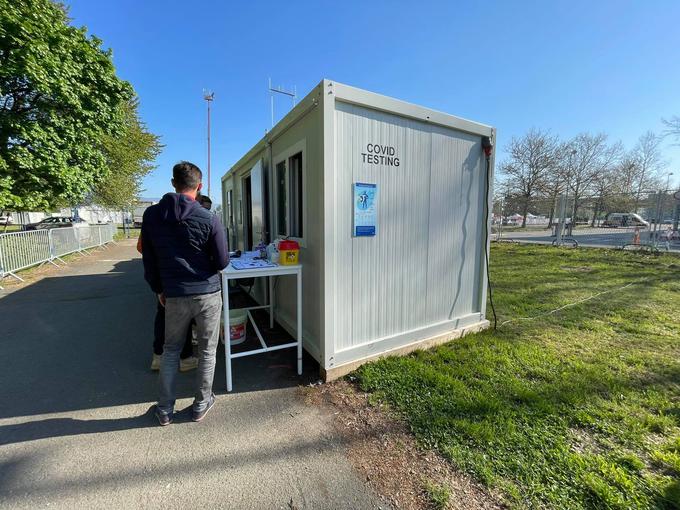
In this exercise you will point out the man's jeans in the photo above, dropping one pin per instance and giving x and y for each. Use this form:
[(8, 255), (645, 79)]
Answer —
[(206, 310), (159, 335)]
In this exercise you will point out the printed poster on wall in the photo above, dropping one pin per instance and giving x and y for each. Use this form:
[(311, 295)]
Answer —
[(365, 209)]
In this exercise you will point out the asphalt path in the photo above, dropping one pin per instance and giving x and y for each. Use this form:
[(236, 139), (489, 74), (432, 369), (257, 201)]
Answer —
[(594, 237), (76, 403)]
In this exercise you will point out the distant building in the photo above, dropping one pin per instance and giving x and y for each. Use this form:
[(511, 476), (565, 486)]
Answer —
[(138, 211), (93, 214)]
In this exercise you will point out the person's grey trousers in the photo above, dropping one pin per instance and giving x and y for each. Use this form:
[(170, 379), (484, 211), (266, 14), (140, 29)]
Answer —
[(206, 309)]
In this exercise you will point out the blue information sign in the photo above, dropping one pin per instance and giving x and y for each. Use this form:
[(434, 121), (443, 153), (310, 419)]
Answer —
[(365, 198)]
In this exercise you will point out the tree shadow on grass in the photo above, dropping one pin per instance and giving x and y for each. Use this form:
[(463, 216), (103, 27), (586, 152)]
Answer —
[(669, 499)]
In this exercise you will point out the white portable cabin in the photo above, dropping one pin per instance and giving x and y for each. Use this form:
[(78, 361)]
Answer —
[(421, 279)]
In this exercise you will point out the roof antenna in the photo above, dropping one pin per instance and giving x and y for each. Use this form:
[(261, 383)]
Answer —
[(280, 90)]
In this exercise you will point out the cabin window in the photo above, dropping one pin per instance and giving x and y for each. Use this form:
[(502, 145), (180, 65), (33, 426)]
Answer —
[(281, 195), (289, 197), (295, 187), (230, 208)]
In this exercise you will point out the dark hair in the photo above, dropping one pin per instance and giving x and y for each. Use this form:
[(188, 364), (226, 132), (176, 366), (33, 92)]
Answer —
[(205, 201), (186, 176)]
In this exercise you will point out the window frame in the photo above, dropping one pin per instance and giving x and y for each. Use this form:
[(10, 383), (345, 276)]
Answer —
[(285, 156), (230, 208)]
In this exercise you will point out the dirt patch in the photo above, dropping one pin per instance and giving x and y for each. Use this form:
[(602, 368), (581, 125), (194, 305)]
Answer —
[(29, 276), (578, 269), (383, 450), (583, 442)]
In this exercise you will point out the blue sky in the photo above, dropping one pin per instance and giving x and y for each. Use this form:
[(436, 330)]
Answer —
[(567, 66)]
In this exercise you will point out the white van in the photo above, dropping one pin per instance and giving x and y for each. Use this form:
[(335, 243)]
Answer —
[(624, 220)]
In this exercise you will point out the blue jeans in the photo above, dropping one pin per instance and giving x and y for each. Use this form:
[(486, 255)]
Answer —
[(159, 335), (206, 310)]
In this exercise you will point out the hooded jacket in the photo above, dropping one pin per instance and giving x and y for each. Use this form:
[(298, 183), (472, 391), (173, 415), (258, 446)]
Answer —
[(184, 247)]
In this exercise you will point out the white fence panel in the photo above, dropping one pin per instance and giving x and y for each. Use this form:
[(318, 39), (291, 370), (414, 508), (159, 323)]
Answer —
[(64, 241), (88, 237), (19, 250), (108, 231)]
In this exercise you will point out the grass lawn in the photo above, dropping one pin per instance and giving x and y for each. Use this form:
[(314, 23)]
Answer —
[(578, 409), (10, 228)]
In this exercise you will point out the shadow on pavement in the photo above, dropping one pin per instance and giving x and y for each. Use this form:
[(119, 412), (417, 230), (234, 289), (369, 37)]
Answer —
[(85, 341), (59, 427), (136, 475)]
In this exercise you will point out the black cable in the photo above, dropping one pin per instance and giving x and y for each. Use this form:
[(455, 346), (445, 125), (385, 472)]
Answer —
[(486, 240)]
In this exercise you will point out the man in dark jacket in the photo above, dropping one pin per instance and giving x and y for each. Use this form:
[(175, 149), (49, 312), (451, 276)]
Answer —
[(184, 249)]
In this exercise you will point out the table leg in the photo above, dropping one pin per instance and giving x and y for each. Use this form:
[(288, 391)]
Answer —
[(299, 322), (227, 333), (271, 302)]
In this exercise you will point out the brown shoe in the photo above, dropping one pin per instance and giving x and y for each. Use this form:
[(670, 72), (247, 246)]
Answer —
[(187, 364)]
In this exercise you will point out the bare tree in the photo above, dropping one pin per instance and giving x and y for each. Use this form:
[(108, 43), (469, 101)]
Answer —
[(604, 187), (555, 182), (672, 128), (626, 174), (532, 157), (589, 156), (648, 164), (624, 184)]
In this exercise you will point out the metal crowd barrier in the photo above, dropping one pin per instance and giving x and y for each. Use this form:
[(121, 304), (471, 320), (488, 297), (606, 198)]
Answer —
[(21, 250)]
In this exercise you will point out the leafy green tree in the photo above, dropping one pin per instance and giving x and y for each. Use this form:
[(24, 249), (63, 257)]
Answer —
[(60, 101), (130, 156)]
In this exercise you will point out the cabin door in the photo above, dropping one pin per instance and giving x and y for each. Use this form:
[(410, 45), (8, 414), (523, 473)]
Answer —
[(255, 192)]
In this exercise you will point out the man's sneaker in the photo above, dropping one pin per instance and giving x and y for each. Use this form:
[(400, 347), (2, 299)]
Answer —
[(187, 364), (156, 362), (199, 415), (163, 419)]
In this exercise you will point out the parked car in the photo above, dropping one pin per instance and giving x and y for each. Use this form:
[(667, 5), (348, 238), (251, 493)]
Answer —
[(56, 222), (669, 235), (6, 220), (614, 220)]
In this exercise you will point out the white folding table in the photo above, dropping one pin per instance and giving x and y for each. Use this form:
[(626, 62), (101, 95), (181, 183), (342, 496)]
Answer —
[(229, 273)]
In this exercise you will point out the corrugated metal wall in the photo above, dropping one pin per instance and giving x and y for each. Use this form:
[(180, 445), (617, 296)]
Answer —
[(423, 266), (308, 129)]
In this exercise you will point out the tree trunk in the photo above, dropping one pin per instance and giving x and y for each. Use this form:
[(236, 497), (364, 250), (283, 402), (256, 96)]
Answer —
[(525, 212), (597, 211), (639, 192), (574, 209), (553, 208)]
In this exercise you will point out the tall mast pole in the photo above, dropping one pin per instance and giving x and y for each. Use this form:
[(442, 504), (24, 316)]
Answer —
[(208, 96)]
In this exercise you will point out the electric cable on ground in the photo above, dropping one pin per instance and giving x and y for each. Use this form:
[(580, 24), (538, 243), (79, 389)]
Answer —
[(486, 145), (568, 305)]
